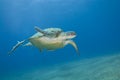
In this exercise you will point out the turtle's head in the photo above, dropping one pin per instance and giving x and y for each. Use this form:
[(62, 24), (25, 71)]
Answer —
[(70, 34)]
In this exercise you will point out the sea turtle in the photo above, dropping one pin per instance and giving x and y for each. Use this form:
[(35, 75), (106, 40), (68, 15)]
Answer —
[(48, 32), (49, 39)]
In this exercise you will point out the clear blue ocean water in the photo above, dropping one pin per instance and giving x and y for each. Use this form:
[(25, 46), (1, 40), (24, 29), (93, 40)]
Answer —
[(96, 22)]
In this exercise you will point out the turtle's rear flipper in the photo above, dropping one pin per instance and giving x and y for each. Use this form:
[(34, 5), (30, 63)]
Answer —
[(16, 46), (28, 44)]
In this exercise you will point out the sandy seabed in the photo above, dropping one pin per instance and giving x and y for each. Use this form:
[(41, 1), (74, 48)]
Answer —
[(100, 68)]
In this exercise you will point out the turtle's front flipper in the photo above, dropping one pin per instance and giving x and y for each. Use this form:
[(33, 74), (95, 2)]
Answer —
[(58, 33), (39, 30), (16, 46), (73, 44)]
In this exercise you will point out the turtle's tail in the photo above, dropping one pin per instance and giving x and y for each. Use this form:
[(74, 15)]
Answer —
[(16, 46)]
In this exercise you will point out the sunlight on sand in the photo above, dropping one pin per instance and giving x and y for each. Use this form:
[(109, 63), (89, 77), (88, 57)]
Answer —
[(100, 68)]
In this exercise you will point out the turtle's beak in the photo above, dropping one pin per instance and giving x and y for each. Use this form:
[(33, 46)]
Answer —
[(70, 34)]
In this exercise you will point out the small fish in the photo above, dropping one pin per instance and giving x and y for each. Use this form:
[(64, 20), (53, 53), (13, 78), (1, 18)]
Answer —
[(16, 46)]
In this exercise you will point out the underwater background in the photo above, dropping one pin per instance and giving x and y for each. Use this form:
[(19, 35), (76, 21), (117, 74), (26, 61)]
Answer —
[(96, 23)]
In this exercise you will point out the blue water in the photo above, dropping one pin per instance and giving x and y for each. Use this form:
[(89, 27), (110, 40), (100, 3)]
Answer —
[(96, 22)]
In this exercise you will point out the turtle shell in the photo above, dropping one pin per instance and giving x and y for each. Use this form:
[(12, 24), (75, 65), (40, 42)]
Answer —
[(49, 32), (38, 34), (52, 32)]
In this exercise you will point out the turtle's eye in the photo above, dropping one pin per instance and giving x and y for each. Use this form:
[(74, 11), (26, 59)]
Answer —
[(71, 33)]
